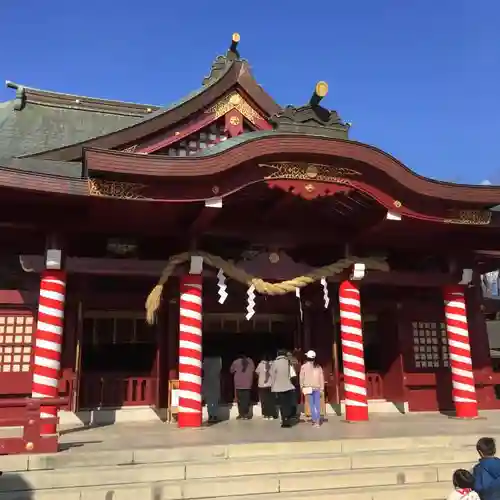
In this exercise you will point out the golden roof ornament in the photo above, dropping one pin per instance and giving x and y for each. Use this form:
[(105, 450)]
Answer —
[(311, 119)]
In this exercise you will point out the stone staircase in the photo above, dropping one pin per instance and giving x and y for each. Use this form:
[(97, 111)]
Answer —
[(350, 469)]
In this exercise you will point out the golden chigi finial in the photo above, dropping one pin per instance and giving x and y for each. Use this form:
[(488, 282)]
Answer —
[(320, 91), (235, 39), (321, 88)]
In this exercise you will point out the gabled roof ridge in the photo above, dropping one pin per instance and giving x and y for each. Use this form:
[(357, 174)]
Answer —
[(227, 72), (206, 90), (26, 94)]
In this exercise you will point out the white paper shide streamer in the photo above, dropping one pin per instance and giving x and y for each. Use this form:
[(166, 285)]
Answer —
[(250, 302), (297, 294), (221, 284), (326, 297)]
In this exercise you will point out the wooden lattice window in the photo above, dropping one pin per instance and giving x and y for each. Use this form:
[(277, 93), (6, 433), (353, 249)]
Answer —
[(117, 327), (430, 345), (199, 141), (16, 334)]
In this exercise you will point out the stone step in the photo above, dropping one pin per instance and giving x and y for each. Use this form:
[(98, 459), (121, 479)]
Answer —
[(352, 469), (220, 467), (171, 484), (418, 491), (360, 449)]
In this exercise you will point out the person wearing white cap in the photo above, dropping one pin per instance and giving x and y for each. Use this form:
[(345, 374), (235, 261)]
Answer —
[(312, 383)]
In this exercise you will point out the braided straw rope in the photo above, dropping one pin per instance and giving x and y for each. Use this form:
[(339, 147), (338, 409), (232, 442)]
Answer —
[(263, 287)]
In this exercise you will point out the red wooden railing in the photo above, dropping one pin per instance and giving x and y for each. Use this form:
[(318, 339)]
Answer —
[(374, 386), (31, 440), (115, 390)]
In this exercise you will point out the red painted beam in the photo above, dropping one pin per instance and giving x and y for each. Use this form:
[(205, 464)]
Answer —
[(403, 279), (18, 297), (205, 218), (176, 135)]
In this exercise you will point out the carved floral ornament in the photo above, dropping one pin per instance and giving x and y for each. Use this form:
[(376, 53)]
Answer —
[(309, 172), (470, 217), (115, 189), (231, 101)]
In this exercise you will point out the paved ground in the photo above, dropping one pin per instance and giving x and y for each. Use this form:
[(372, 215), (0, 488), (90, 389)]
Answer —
[(160, 435)]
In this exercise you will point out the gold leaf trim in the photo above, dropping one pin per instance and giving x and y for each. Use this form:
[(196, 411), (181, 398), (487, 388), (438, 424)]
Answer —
[(232, 101), (308, 171), (471, 218), (115, 189)]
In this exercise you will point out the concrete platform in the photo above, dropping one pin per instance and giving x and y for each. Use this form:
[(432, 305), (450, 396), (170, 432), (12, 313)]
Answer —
[(157, 434)]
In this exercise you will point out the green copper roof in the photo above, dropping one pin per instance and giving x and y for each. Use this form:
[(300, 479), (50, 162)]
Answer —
[(38, 128), (33, 127), (71, 170)]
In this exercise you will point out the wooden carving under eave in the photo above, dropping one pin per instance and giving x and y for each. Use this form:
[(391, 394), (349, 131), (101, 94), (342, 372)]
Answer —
[(115, 189), (274, 266), (309, 190), (130, 149), (470, 217), (231, 101), (309, 172), (309, 180)]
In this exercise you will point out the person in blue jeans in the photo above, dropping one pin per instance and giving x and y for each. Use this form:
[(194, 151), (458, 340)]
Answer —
[(312, 383), (487, 471)]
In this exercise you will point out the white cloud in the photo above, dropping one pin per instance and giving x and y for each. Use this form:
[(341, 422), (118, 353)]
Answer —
[(486, 182)]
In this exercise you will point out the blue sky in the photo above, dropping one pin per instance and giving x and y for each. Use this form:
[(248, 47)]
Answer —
[(418, 78)]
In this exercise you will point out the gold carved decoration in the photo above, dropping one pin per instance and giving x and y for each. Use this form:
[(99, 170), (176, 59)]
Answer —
[(232, 101), (130, 149), (114, 189), (308, 171), (470, 217)]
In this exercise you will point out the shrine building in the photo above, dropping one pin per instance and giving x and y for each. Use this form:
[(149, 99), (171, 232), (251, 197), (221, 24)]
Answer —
[(135, 236)]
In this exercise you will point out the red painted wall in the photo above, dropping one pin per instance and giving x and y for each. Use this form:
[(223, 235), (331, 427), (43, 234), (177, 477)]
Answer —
[(429, 389)]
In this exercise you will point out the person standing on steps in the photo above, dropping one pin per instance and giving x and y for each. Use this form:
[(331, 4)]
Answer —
[(312, 383), (282, 386), (265, 382), (212, 366), (243, 369), (295, 358), (463, 484), (487, 471)]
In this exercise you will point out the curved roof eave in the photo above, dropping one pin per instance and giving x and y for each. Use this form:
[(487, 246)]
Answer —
[(256, 145), (238, 72)]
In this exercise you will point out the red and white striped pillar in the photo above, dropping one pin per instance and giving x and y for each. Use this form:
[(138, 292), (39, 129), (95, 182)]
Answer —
[(48, 343), (353, 360), (462, 376), (190, 351)]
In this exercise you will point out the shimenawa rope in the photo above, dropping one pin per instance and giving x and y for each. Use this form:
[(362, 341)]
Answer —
[(263, 287)]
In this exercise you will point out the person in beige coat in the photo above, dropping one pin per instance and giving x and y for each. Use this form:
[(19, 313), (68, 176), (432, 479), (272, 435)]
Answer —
[(312, 383)]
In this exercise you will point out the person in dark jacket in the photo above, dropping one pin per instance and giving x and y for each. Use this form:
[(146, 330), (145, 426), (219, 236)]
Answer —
[(282, 373), (487, 471)]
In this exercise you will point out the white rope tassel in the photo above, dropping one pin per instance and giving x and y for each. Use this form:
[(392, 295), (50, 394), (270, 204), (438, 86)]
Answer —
[(297, 294), (250, 302), (221, 284), (326, 297)]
